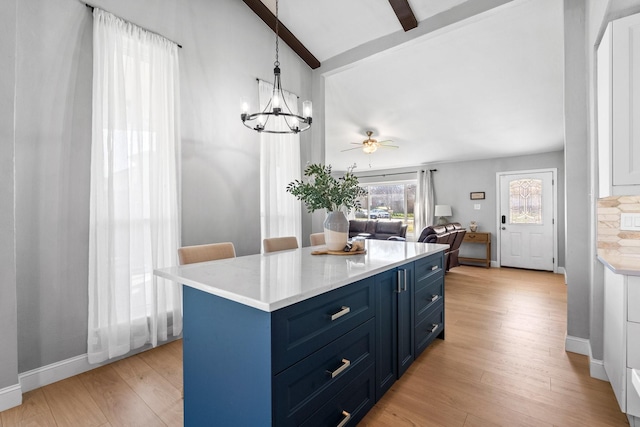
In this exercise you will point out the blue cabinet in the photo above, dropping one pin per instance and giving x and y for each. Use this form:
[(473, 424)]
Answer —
[(394, 325), (429, 302), (410, 301), (322, 361)]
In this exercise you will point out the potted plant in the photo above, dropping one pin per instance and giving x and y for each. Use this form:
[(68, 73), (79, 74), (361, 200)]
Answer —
[(321, 190)]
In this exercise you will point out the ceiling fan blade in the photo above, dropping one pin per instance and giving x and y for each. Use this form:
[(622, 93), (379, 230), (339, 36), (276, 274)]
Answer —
[(389, 146), (349, 149), (386, 140)]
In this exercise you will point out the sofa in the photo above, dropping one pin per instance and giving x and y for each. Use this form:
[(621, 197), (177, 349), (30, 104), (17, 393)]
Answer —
[(381, 230), (450, 234)]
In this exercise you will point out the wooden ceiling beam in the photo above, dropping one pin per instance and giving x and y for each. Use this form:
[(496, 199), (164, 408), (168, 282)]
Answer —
[(287, 36), (404, 13)]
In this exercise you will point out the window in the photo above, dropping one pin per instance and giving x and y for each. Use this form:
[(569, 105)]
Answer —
[(525, 201), (389, 201)]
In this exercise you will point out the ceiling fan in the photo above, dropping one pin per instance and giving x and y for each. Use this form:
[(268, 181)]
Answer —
[(370, 145)]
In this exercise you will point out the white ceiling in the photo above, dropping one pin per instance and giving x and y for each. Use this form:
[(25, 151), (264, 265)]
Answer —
[(330, 27), (492, 87)]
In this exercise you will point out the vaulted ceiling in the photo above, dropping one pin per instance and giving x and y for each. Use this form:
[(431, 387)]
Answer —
[(487, 85)]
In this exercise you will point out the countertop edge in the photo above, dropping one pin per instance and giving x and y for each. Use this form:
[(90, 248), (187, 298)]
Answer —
[(270, 307), (613, 268)]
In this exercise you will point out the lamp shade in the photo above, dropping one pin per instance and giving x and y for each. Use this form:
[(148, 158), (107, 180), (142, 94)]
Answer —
[(442, 210)]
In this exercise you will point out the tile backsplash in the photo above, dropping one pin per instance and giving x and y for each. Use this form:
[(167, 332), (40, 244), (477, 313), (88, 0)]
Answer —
[(610, 238)]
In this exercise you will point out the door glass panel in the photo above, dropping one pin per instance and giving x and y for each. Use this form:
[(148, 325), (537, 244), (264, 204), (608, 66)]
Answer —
[(525, 201)]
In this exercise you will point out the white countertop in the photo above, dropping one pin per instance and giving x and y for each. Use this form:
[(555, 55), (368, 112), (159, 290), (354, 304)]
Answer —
[(272, 281), (619, 263)]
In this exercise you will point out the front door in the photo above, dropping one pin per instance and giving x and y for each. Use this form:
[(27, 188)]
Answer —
[(526, 229)]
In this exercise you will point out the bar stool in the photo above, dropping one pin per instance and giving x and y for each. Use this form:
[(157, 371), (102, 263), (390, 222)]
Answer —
[(208, 252), (274, 244)]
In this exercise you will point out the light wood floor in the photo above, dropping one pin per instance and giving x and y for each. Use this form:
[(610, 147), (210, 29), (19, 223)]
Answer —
[(502, 363)]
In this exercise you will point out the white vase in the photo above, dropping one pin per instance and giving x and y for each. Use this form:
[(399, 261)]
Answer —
[(336, 231)]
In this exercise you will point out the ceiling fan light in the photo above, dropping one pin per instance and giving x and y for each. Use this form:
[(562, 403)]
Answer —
[(369, 148)]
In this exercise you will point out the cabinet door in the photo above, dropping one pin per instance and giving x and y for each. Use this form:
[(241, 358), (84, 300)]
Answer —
[(395, 318), (386, 285), (406, 275), (626, 100), (615, 324)]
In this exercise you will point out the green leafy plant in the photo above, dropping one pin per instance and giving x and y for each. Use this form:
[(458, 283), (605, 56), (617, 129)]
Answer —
[(323, 191)]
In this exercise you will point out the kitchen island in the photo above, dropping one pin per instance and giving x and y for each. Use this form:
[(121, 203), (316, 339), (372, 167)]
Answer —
[(291, 338)]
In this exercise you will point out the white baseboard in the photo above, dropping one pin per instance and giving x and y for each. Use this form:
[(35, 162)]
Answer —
[(583, 346), (577, 345), (64, 369), (10, 397), (49, 374), (596, 369)]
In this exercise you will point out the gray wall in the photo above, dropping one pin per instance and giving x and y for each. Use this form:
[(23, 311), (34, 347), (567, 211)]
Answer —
[(53, 119), (455, 180), (226, 47), (577, 170), (8, 318)]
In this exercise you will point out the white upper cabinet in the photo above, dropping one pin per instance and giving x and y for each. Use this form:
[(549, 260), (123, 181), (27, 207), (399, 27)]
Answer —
[(618, 65)]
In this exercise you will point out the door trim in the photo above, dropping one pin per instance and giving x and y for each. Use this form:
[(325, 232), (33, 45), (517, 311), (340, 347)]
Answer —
[(554, 187)]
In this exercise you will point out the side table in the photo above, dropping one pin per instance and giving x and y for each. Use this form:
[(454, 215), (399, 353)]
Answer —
[(482, 238)]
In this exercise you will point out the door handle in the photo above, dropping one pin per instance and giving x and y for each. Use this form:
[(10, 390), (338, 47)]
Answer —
[(504, 219)]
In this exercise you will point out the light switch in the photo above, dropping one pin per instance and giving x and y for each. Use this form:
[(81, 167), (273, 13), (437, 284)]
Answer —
[(630, 221), (476, 206)]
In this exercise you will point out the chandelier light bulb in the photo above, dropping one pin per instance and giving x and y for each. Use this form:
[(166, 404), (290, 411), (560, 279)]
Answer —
[(307, 109), (244, 106)]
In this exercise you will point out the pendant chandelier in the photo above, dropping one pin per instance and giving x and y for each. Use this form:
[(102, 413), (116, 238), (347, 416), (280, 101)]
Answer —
[(277, 111)]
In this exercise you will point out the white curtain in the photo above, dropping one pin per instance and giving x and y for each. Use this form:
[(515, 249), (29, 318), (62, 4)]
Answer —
[(280, 212), (424, 201), (134, 216)]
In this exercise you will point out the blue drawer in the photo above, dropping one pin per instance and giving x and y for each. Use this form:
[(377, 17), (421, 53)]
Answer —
[(428, 267), (431, 293), (303, 328), (427, 330), (306, 386), (353, 402)]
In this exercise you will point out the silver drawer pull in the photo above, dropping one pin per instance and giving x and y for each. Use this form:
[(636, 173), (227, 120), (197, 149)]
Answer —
[(435, 267), (435, 326), (347, 417), (343, 310), (434, 297), (345, 365)]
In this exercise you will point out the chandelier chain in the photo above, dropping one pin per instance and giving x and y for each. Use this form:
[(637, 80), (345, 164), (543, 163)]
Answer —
[(277, 63)]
